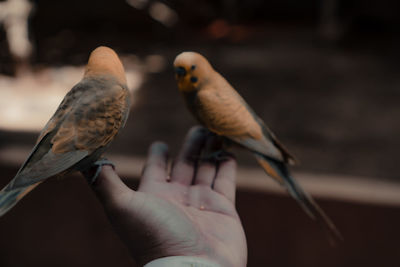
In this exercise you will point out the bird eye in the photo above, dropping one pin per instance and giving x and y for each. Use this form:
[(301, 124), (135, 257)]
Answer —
[(180, 71), (193, 67), (193, 79)]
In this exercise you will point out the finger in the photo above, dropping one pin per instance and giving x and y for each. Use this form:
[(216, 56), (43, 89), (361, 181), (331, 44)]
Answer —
[(109, 187), (205, 173), (155, 168), (225, 180), (184, 166), (207, 167)]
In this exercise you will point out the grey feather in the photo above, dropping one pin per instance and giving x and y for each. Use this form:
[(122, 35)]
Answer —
[(49, 165), (42, 163), (9, 199), (263, 147)]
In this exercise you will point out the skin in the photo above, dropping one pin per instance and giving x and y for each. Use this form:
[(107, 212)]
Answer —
[(189, 211), (86, 121)]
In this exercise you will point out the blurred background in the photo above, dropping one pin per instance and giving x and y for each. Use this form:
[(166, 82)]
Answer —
[(323, 74)]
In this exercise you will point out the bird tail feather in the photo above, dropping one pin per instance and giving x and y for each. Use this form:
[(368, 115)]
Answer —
[(10, 197), (279, 172)]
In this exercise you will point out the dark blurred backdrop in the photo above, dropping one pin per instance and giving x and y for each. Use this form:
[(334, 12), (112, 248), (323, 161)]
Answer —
[(324, 75)]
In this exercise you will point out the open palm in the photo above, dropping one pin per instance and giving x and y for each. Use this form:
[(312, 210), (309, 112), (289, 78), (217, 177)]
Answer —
[(189, 211)]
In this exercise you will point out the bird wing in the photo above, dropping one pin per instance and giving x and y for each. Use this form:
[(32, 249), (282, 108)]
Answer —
[(62, 110), (42, 163), (87, 119), (95, 120), (270, 137), (226, 113)]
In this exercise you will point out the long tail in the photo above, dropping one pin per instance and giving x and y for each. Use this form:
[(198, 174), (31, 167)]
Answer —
[(10, 197), (280, 173)]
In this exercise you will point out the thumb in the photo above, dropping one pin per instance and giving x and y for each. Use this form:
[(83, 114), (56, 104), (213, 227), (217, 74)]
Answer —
[(109, 187)]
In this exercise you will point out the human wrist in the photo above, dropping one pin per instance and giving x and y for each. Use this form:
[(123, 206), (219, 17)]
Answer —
[(182, 261)]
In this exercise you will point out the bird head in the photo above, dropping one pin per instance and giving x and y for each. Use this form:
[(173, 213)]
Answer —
[(191, 71), (104, 61)]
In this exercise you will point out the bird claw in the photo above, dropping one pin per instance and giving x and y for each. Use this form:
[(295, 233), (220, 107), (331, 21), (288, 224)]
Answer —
[(92, 173)]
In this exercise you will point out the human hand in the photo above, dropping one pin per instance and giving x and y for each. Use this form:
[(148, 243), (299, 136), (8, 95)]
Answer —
[(189, 213)]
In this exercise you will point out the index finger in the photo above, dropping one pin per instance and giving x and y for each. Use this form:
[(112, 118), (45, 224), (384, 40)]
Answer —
[(156, 165)]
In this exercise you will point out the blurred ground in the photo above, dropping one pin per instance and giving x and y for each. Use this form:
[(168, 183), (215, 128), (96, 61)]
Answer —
[(330, 96)]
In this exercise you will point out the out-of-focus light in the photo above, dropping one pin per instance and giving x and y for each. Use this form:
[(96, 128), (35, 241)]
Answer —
[(138, 4), (26, 103), (219, 29), (163, 13), (14, 14)]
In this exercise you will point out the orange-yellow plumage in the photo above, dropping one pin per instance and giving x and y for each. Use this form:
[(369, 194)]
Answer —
[(217, 105), (104, 61)]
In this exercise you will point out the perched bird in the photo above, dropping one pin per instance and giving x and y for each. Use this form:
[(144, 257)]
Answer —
[(217, 105), (86, 121)]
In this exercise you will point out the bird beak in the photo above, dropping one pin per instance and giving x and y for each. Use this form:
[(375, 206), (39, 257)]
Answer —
[(180, 72)]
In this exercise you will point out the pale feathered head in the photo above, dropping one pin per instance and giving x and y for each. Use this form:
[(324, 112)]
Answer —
[(104, 61), (191, 71)]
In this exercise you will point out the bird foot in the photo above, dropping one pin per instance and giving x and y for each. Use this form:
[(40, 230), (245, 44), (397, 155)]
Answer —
[(92, 173)]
